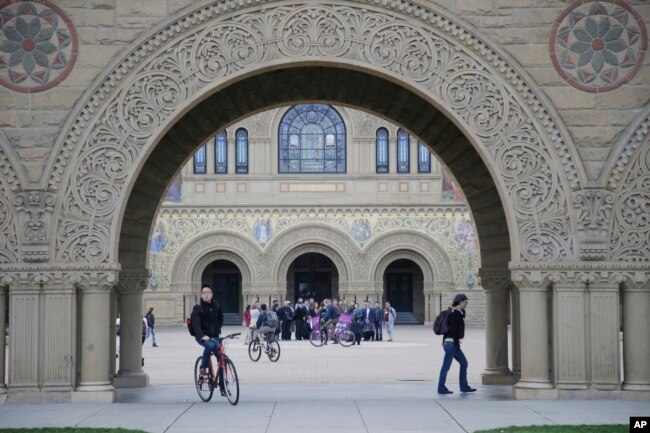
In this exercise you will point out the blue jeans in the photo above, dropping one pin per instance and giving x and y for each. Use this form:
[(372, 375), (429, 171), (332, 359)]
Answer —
[(209, 346), (453, 352)]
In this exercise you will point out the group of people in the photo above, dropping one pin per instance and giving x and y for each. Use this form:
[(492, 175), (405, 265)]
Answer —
[(207, 320), (368, 322)]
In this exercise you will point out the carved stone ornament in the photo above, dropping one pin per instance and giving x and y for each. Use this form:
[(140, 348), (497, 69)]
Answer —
[(495, 279), (630, 238), (133, 280), (594, 208), (514, 127), (8, 239), (34, 212)]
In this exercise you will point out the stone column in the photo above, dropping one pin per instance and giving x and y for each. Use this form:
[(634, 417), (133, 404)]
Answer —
[(515, 324), (496, 285), (3, 342), (131, 286), (570, 340), (636, 330), (24, 324), (604, 327), (533, 293), (59, 336), (95, 385)]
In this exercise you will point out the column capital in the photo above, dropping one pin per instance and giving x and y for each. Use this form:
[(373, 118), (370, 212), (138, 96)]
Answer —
[(103, 281), (133, 280), (594, 207), (495, 279), (34, 214)]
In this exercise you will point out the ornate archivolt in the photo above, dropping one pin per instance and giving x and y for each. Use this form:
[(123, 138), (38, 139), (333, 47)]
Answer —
[(311, 238), (9, 183), (509, 121), (430, 257), (200, 251)]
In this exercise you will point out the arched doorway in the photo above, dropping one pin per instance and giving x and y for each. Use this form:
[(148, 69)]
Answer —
[(403, 288), (226, 281), (313, 275)]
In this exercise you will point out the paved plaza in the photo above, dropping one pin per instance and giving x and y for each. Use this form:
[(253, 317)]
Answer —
[(375, 388)]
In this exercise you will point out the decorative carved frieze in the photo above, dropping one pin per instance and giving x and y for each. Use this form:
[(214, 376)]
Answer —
[(496, 280), (8, 239), (630, 234), (513, 126), (594, 208), (133, 280), (34, 214)]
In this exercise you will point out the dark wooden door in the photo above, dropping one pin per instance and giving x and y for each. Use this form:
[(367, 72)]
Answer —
[(317, 285), (399, 290), (226, 291)]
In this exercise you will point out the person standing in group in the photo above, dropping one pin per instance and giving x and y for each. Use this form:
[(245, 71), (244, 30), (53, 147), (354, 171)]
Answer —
[(389, 320), (247, 324), (207, 320), (378, 320), (151, 326), (369, 319), (285, 314), (451, 341), (255, 314)]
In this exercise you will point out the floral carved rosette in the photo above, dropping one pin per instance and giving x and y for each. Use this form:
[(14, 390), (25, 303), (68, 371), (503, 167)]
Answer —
[(597, 46), (38, 45)]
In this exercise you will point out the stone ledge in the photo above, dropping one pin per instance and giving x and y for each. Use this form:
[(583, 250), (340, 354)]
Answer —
[(93, 397), (131, 380)]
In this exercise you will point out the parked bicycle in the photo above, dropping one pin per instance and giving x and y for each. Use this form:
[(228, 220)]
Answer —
[(225, 375), (270, 346), (318, 337)]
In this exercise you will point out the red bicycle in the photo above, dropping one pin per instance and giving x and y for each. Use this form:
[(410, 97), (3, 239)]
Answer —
[(225, 376)]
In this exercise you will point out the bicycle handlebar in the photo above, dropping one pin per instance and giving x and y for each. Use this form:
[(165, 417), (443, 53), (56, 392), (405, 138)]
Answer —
[(233, 336)]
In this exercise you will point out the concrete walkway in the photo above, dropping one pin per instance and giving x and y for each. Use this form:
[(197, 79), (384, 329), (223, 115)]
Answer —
[(375, 388)]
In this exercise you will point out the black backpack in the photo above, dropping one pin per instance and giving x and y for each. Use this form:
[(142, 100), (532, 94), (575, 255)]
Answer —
[(188, 321), (441, 324)]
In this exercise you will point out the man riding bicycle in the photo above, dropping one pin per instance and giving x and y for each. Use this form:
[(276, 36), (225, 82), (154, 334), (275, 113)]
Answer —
[(207, 320), (332, 314), (264, 328)]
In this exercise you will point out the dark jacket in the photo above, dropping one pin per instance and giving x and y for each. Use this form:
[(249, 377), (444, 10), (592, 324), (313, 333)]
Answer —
[(368, 315), (151, 320), (456, 325), (207, 319), (331, 313)]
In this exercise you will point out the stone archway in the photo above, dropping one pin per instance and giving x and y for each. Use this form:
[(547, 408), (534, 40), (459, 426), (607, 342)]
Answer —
[(311, 238), (461, 96)]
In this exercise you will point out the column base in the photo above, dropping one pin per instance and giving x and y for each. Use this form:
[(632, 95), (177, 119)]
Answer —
[(89, 393), (531, 390), (3, 395), (498, 377), (131, 380), (630, 386)]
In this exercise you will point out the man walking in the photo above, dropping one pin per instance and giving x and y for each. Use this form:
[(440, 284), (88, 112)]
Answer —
[(151, 330), (451, 341)]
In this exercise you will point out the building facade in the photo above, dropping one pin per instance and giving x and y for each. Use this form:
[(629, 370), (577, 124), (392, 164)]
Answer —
[(538, 108), (383, 222)]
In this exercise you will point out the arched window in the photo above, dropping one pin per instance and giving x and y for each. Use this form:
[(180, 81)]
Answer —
[(221, 153), (311, 140), (241, 151), (424, 159), (200, 166), (382, 150), (403, 144)]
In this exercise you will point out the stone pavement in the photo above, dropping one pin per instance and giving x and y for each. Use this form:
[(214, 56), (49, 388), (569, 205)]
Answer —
[(375, 388)]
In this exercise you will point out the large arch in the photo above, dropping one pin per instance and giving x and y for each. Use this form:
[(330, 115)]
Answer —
[(485, 114), (204, 69)]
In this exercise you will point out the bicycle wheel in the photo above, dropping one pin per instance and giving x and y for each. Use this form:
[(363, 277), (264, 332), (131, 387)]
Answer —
[(204, 387), (316, 338), (254, 351), (274, 351), (346, 338), (231, 381)]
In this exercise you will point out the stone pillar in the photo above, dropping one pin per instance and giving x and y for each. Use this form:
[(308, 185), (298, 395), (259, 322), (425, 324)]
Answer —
[(605, 329), (570, 339), (533, 294), (636, 328), (24, 314), (95, 385), (59, 336), (515, 324), (496, 285), (3, 342), (131, 286)]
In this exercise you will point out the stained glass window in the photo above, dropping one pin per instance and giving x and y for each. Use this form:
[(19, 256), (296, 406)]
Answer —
[(382, 150), (221, 153), (241, 151), (311, 140), (424, 159), (200, 159), (403, 142)]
